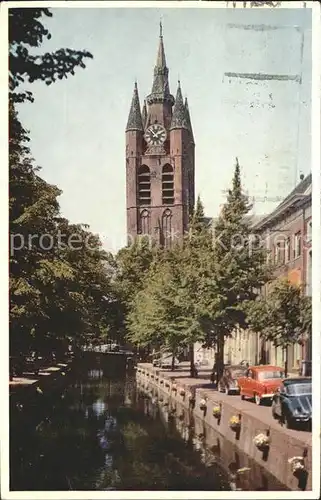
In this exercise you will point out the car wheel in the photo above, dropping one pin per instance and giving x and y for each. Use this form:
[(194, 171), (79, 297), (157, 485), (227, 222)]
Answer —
[(288, 422), (257, 399)]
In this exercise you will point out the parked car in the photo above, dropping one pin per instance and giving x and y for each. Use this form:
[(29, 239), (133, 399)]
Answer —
[(292, 403), (166, 361), (260, 382), (228, 383)]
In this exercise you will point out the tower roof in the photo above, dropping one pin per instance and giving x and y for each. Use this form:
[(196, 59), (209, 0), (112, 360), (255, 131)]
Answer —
[(179, 112), (135, 118), (188, 119), (144, 114), (160, 88)]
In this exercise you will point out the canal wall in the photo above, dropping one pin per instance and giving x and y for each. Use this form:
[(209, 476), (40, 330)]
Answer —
[(284, 444)]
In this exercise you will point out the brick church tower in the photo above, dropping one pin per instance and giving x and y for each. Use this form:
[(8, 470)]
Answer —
[(160, 172)]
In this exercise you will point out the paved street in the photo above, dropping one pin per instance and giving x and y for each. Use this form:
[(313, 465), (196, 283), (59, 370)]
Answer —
[(202, 382)]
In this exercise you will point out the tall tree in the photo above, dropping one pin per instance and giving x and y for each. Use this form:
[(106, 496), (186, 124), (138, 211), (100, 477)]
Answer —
[(281, 317), (27, 32), (240, 266)]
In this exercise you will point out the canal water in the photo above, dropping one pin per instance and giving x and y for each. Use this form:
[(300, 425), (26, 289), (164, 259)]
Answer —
[(103, 433)]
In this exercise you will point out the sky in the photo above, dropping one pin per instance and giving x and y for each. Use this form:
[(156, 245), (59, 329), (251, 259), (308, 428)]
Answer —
[(77, 126)]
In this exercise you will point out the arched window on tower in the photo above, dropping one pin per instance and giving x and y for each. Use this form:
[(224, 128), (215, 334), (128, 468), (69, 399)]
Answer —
[(167, 228), (144, 222), (168, 185), (144, 196)]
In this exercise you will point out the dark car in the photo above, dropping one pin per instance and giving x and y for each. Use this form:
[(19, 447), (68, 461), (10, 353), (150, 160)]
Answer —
[(228, 381), (292, 403)]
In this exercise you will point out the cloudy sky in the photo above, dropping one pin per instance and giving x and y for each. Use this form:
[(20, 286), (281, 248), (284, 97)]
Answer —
[(77, 125)]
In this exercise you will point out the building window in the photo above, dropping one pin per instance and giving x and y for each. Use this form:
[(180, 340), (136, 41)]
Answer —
[(287, 250), (168, 185), (309, 231), (297, 245), (167, 228), (144, 197), (278, 253), (144, 222)]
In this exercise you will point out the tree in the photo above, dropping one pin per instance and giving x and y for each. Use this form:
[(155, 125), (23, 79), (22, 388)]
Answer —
[(59, 291), (239, 266), (281, 317), (26, 32)]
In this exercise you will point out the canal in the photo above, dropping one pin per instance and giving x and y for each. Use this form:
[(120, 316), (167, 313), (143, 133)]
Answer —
[(101, 433)]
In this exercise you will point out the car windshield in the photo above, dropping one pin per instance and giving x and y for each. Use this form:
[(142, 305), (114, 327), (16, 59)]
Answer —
[(299, 389), (270, 375)]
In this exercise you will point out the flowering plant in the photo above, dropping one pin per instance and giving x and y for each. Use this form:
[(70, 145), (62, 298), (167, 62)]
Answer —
[(216, 411), (235, 422), (261, 441), (297, 465), (203, 404)]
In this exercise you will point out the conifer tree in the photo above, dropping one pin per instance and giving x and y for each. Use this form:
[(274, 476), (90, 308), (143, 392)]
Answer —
[(239, 267)]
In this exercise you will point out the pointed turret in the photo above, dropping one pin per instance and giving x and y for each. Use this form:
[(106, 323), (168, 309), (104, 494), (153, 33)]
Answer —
[(160, 88), (179, 112), (188, 120), (144, 114), (135, 118)]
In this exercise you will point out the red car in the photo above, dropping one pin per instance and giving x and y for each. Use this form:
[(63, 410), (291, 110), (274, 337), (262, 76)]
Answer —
[(260, 382)]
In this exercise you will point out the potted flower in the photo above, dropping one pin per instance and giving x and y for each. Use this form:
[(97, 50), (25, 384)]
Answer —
[(297, 465), (261, 441), (235, 423), (203, 404), (182, 392), (217, 411)]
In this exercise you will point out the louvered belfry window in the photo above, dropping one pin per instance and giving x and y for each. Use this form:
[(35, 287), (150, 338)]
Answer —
[(168, 185), (144, 196)]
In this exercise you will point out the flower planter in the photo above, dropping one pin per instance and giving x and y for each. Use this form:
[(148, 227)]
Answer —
[(203, 404), (217, 412), (262, 442), (297, 466), (235, 423)]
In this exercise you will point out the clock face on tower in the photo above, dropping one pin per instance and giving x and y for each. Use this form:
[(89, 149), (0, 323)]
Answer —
[(155, 135)]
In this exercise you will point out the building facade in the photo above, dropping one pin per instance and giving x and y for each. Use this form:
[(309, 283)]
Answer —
[(287, 233), (160, 165)]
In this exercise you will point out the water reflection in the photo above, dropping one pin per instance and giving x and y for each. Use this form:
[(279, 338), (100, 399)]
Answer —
[(107, 435)]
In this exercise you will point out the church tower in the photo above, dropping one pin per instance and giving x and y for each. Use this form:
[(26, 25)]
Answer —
[(160, 173)]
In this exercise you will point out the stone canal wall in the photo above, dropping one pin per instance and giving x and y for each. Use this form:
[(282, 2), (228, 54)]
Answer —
[(283, 443)]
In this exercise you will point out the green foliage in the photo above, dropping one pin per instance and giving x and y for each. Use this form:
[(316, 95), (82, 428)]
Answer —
[(60, 282), (283, 316), (27, 33), (60, 286), (239, 265)]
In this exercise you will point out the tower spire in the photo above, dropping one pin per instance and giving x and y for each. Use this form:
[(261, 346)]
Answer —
[(135, 118), (188, 119), (179, 112), (160, 88)]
